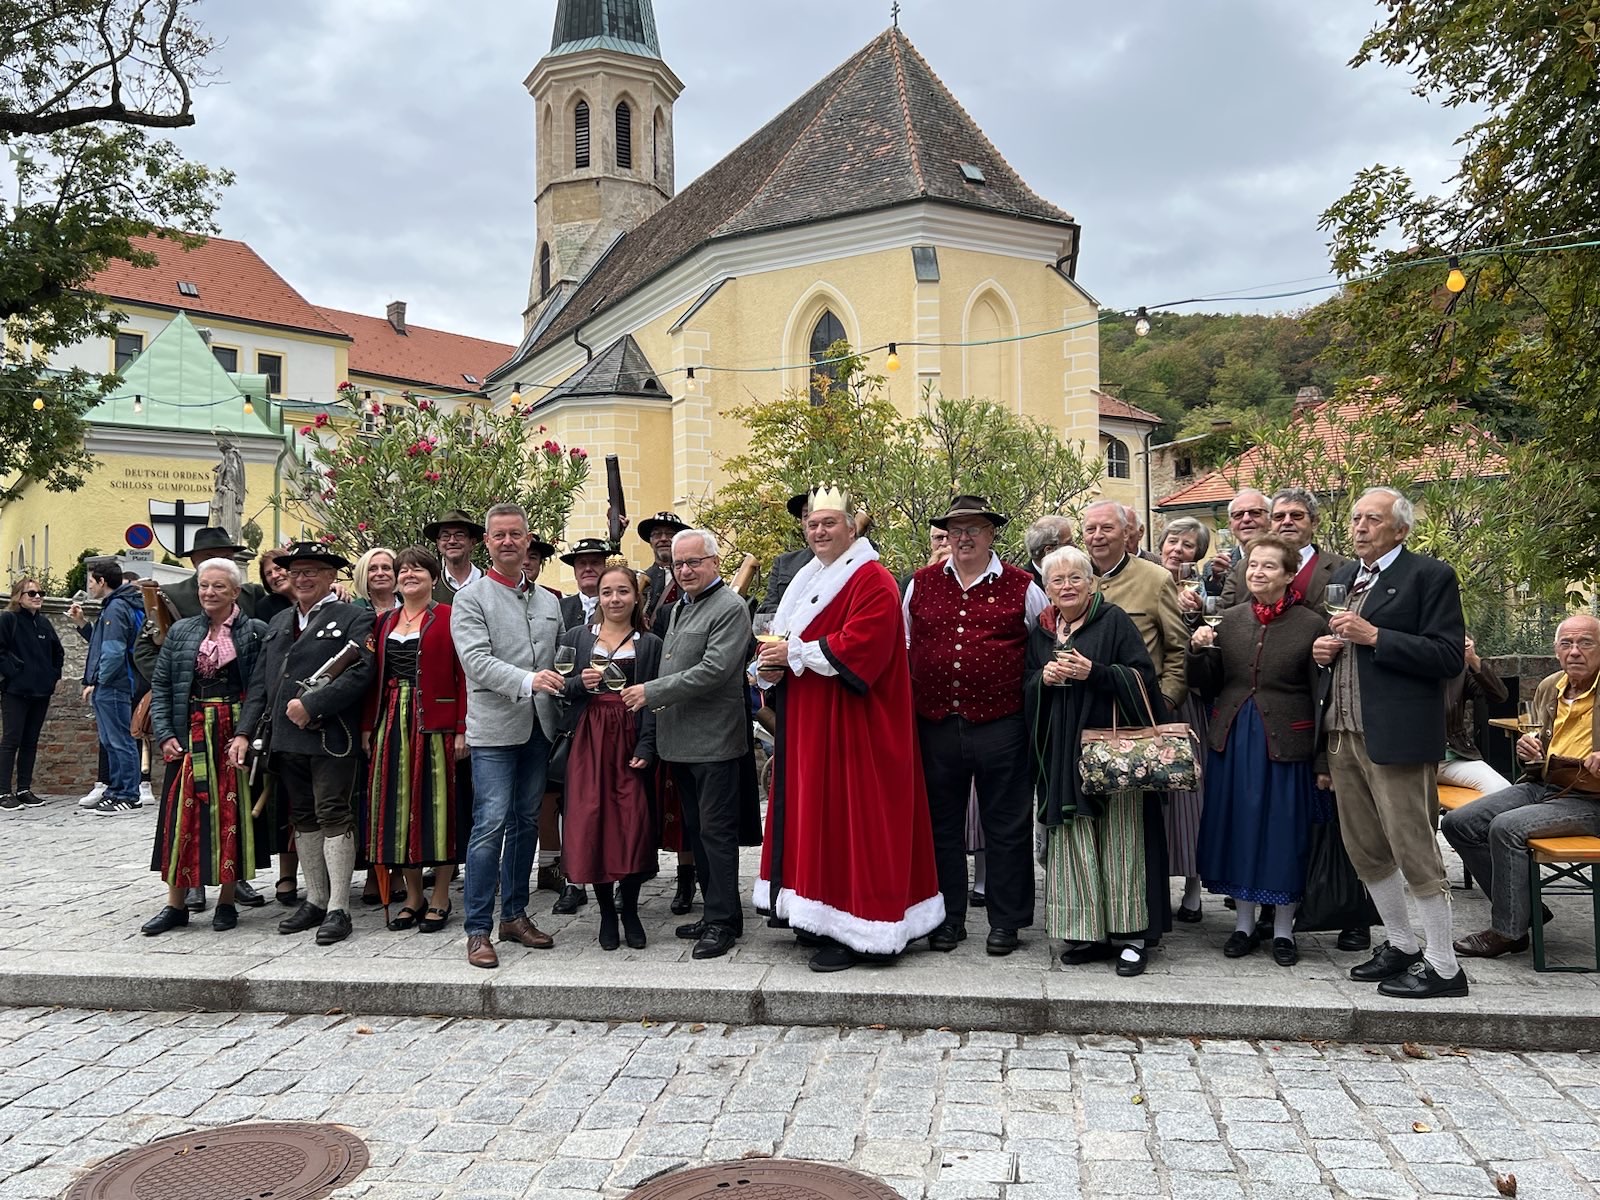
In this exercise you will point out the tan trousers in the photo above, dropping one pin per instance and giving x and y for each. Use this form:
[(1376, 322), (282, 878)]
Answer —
[(1386, 816)]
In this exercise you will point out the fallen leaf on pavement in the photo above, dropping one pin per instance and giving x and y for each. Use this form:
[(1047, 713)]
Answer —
[(1421, 1127), (1138, 1099), (363, 1028), (1506, 1185), (697, 1029), (1412, 1050)]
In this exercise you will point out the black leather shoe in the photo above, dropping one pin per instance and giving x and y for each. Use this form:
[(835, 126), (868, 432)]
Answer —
[(683, 898), (833, 958), (1078, 953), (947, 937), (1284, 952), (224, 917), (1386, 962), (1002, 941), (692, 931), (195, 899), (335, 927), (633, 931), (1240, 944), (572, 898), (1359, 938), (716, 941), (1189, 916), (246, 895), (1127, 967), (1421, 982), (167, 918), (609, 937), (977, 899), (307, 916)]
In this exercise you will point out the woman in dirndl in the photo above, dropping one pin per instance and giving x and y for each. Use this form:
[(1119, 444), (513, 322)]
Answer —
[(415, 730), (609, 821), (1184, 544), (206, 834)]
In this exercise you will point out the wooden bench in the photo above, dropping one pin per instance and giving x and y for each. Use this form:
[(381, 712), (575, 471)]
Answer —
[(1562, 866), (1450, 799)]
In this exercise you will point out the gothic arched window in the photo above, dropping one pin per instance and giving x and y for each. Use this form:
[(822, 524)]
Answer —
[(825, 333), (580, 134), (544, 269), (1116, 459), (624, 136)]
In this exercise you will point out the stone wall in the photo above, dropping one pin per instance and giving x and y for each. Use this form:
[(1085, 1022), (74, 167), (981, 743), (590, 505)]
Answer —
[(69, 750)]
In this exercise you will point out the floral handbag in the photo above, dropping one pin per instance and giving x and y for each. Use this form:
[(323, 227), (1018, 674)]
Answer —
[(1145, 758)]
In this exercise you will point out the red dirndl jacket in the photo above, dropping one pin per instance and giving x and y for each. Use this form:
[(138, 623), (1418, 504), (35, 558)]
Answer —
[(441, 685)]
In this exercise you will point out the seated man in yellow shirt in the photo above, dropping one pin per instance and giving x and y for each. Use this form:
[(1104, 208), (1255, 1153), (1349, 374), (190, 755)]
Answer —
[(1491, 834)]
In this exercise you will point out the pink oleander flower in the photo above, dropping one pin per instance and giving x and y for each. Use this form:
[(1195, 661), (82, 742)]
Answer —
[(322, 419)]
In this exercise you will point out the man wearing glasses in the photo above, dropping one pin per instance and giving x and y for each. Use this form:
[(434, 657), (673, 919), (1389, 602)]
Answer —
[(967, 622), (1561, 797), (456, 535), (1295, 512), (1247, 516), (702, 728)]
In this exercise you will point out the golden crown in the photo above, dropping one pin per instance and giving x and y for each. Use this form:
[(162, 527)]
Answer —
[(825, 495)]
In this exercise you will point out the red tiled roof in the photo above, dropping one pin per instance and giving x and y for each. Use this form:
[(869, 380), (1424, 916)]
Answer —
[(1218, 487), (232, 280), (1121, 410), (419, 355)]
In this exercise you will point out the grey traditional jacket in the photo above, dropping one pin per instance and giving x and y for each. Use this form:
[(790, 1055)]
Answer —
[(702, 710), (286, 661), (174, 673), (502, 633)]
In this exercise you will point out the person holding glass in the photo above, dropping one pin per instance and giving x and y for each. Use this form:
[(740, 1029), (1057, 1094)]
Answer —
[(414, 728), (609, 823), (1255, 665), (1084, 657), (206, 833), (1184, 544), (31, 661)]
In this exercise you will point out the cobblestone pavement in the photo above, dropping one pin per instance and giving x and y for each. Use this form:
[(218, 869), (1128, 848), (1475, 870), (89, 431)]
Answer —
[(559, 1111)]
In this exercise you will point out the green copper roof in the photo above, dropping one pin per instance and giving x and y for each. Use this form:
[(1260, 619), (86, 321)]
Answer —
[(627, 26), (178, 384)]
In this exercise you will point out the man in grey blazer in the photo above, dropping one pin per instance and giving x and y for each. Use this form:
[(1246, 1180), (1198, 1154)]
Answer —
[(505, 628), (703, 714)]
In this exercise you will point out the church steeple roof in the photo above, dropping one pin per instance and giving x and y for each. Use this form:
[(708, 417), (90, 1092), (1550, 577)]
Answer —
[(627, 26)]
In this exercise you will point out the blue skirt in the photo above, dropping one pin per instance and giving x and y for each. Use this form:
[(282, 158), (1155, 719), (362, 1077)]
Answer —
[(1255, 828)]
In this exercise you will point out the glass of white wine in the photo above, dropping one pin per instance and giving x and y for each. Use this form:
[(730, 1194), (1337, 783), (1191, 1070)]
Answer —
[(599, 660), (1526, 721), (566, 659), (1212, 610), (614, 677), (1337, 599)]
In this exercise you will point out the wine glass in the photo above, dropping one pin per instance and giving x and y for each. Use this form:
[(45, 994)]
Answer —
[(599, 660), (761, 627), (614, 677), (566, 659), (1526, 721), (1337, 598), (1189, 578), (1212, 609), (1062, 652)]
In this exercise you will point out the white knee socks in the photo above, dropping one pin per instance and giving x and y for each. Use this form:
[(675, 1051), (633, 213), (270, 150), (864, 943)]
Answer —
[(1390, 897), (309, 847), (1283, 921), (340, 855), (1434, 912)]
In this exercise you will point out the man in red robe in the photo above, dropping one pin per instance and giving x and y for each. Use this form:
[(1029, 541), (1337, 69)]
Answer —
[(848, 857)]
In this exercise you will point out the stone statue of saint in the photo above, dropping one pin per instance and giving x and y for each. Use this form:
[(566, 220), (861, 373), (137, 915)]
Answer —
[(227, 501)]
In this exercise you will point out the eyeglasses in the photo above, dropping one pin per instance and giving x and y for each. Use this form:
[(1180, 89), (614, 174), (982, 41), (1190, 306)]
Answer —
[(691, 564), (1246, 512), (1297, 515), (33, 595), (1069, 580), (1563, 644), (967, 531), (309, 572)]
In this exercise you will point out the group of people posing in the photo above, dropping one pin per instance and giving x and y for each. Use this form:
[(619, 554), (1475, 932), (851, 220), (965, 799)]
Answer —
[(424, 724)]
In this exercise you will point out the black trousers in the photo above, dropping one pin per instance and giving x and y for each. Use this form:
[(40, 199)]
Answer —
[(319, 788), (23, 717), (709, 793), (956, 754)]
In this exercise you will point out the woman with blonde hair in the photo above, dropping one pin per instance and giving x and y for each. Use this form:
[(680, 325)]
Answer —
[(373, 580)]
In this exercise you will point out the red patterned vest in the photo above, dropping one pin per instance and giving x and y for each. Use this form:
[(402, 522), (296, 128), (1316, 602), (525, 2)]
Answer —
[(967, 648)]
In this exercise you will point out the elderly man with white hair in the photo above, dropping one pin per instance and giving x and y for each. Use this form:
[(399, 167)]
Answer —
[(702, 729), (1560, 797), (1383, 716)]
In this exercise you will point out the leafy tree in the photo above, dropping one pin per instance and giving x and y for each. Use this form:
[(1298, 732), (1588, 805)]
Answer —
[(78, 574), (903, 469), (1525, 324), (416, 461), (80, 83)]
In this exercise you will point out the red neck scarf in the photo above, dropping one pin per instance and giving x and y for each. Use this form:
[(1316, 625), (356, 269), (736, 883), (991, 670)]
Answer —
[(1268, 613)]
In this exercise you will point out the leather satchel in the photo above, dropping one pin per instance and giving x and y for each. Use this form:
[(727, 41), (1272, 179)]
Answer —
[(1570, 776), (1145, 758), (139, 724)]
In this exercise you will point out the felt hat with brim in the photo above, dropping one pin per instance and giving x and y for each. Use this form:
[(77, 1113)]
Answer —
[(545, 549), (454, 517), (662, 520), (797, 505), (214, 538), (312, 552), (969, 506), (586, 546)]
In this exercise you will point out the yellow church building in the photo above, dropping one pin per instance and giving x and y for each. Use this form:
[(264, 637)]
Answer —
[(872, 209)]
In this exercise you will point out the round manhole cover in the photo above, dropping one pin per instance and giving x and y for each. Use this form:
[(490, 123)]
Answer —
[(765, 1179), (268, 1161)]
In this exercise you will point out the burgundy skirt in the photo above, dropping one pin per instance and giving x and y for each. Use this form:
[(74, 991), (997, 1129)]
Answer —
[(608, 822)]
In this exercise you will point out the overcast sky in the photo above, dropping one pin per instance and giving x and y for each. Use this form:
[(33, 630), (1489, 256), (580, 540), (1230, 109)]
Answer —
[(384, 148)]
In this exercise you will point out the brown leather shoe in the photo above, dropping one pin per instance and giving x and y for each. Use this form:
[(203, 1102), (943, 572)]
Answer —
[(1489, 944), (480, 953), (527, 933)]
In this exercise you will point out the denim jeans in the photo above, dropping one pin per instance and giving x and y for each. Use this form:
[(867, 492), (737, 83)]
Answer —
[(507, 785), (113, 710)]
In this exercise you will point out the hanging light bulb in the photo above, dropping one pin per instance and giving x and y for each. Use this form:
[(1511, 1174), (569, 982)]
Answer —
[(249, 408), (893, 361), (691, 386), (516, 393), (1141, 322), (1456, 281), (138, 405), (38, 404)]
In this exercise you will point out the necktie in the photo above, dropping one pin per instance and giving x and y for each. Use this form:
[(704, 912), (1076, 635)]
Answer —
[(1364, 580)]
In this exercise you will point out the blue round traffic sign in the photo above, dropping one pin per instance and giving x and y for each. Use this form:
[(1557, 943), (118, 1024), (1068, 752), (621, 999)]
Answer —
[(139, 536)]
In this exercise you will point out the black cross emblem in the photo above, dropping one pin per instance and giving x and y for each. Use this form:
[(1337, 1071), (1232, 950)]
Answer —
[(177, 524)]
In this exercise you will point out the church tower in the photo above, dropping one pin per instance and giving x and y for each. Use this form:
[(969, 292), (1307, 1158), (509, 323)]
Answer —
[(604, 99)]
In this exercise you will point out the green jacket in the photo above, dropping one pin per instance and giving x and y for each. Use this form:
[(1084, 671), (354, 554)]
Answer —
[(174, 671)]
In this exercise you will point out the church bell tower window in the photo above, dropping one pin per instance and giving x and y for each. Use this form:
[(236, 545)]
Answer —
[(624, 136), (580, 134)]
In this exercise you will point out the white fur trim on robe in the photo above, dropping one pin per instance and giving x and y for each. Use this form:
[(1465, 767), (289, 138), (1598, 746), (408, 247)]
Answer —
[(867, 937)]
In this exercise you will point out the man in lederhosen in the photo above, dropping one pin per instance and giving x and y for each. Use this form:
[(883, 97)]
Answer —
[(311, 734)]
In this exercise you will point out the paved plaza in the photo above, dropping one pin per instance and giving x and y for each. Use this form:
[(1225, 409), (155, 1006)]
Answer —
[(566, 1110)]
